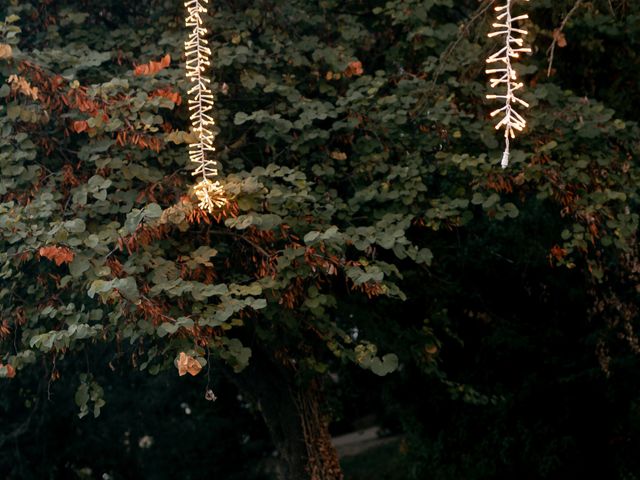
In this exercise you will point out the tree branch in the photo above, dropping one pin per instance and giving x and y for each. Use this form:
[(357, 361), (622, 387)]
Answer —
[(551, 50)]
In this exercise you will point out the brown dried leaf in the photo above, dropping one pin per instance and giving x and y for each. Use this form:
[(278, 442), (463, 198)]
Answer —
[(559, 38), (188, 364), (5, 330)]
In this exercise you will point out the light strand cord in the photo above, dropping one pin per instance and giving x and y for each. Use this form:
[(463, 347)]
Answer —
[(506, 77), (208, 190)]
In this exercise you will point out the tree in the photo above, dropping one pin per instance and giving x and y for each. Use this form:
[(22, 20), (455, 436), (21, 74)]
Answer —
[(355, 149)]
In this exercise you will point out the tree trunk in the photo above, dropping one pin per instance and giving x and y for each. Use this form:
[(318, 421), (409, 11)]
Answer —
[(292, 413)]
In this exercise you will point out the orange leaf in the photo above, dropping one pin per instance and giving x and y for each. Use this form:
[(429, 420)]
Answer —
[(11, 372), (558, 252), (80, 126), (354, 69), (59, 255), (559, 37), (168, 94), (5, 331), (188, 364), (152, 67), (5, 51), (21, 85)]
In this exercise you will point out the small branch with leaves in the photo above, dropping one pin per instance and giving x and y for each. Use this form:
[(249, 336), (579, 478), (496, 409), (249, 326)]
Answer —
[(504, 75), (558, 36)]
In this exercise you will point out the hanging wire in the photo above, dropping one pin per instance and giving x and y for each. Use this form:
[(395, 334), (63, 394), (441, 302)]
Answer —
[(208, 190), (504, 76)]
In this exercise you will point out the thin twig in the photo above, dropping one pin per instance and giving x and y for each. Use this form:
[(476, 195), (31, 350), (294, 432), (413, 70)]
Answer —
[(241, 237), (464, 29), (480, 11), (556, 34)]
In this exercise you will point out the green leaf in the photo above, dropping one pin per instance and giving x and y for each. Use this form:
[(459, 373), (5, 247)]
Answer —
[(128, 288), (79, 265), (384, 366), (152, 211), (75, 226), (310, 237), (167, 328)]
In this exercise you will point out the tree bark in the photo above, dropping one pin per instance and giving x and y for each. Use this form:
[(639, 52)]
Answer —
[(292, 414)]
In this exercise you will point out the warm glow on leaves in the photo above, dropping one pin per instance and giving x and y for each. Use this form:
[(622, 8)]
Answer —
[(59, 255), (187, 364), (152, 67), (5, 51)]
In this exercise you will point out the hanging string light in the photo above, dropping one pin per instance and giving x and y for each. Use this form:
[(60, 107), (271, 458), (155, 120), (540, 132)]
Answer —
[(208, 190), (504, 76)]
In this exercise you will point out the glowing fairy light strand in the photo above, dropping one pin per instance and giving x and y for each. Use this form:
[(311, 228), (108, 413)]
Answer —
[(505, 77), (209, 191)]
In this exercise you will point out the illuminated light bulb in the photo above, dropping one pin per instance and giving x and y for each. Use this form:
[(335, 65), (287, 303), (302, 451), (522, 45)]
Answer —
[(507, 77), (208, 190)]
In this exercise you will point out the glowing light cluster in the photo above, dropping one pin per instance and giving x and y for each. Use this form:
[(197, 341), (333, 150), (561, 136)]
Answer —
[(209, 191), (504, 76)]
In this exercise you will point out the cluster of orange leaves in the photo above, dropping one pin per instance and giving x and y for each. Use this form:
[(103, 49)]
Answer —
[(293, 295), (327, 263), (143, 141), (370, 289), (196, 215), (317, 258), (557, 252), (168, 94), (354, 69), (499, 183), (78, 98), (188, 364), (57, 254), (206, 275), (21, 85), (152, 311), (143, 236), (152, 67), (55, 98), (52, 96)]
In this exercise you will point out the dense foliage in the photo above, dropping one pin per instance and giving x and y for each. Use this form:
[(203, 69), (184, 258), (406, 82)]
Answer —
[(369, 222)]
